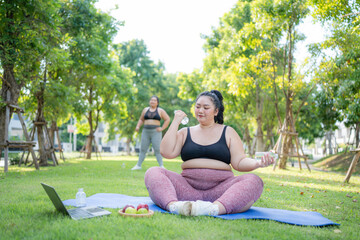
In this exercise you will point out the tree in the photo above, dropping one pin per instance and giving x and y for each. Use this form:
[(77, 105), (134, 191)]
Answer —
[(308, 125), (233, 65), (148, 79), (243, 64), (287, 15), (342, 18), (27, 29), (91, 32), (48, 98)]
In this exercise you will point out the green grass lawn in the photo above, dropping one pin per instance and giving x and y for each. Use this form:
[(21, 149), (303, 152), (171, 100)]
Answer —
[(27, 213)]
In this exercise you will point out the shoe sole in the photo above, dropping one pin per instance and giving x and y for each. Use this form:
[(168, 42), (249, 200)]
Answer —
[(186, 209)]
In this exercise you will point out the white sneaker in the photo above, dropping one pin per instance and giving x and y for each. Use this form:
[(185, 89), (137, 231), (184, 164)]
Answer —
[(181, 207), (136, 167), (162, 166), (202, 208)]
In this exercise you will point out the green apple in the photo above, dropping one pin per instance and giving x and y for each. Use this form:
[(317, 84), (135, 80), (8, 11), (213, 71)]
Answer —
[(130, 210), (126, 206), (142, 211)]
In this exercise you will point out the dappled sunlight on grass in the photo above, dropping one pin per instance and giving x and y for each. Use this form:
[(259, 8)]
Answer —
[(316, 180), (16, 168), (315, 186), (314, 174), (290, 189)]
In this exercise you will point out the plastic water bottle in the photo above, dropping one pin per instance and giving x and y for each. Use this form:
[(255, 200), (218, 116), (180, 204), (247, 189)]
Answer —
[(259, 155), (80, 198), (184, 121)]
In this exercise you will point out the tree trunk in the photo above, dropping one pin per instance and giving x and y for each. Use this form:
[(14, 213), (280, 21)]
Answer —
[(287, 139), (259, 137), (247, 138), (329, 139), (286, 143), (259, 110), (269, 137), (52, 131), (252, 149), (41, 129), (8, 84), (89, 145), (128, 141), (284, 147), (90, 137), (43, 158), (357, 135), (325, 148)]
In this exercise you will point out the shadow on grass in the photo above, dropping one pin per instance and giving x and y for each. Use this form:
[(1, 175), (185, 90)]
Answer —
[(339, 162)]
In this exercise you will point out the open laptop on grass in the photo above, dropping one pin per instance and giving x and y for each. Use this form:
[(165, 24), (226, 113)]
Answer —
[(74, 213)]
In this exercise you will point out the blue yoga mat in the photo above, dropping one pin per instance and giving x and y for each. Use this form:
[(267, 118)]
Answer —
[(112, 200)]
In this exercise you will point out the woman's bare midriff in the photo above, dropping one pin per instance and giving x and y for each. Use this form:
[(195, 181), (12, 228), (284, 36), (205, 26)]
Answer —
[(205, 163), (152, 122)]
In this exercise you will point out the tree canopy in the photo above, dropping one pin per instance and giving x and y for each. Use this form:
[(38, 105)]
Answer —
[(59, 59)]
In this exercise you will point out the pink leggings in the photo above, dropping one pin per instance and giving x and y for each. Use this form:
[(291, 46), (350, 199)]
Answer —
[(233, 192)]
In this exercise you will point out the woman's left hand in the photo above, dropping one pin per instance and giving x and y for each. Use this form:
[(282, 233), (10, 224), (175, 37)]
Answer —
[(266, 160), (159, 129)]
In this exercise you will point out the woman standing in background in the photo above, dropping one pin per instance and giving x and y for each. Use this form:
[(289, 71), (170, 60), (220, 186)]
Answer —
[(152, 131)]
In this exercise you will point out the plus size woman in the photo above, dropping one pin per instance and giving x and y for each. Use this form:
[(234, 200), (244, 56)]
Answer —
[(152, 131), (209, 151)]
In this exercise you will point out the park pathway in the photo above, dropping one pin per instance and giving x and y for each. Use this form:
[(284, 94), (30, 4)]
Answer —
[(295, 163)]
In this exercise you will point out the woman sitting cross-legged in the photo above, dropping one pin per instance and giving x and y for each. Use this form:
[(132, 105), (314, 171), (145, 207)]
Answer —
[(209, 150)]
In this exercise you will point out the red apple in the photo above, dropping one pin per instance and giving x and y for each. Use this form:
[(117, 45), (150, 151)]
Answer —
[(126, 206), (142, 205)]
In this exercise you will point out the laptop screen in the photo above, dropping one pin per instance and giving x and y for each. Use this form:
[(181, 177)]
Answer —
[(54, 197)]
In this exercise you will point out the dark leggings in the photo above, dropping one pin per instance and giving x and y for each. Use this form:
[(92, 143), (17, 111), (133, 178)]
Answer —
[(233, 192)]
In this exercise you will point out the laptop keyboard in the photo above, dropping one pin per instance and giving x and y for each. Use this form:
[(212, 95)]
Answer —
[(78, 213), (94, 210)]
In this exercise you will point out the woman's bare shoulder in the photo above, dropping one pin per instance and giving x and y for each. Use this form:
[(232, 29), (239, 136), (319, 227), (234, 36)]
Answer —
[(230, 129), (231, 132), (161, 110)]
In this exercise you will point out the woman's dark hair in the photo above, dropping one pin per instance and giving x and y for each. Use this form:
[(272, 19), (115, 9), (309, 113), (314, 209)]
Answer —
[(217, 99), (154, 96)]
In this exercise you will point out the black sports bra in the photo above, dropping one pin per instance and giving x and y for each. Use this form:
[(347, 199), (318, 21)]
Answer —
[(152, 115), (218, 151)]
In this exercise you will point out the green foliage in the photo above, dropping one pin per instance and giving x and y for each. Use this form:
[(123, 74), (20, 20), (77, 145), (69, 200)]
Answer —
[(190, 85), (247, 60), (339, 71), (28, 28), (172, 99), (334, 9), (94, 73), (147, 79), (308, 124)]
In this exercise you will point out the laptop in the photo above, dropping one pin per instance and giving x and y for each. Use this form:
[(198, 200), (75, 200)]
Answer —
[(74, 213)]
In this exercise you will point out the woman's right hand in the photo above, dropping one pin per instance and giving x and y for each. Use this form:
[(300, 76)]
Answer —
[(179, 116), (137, 129)]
